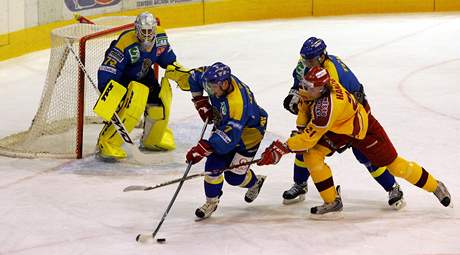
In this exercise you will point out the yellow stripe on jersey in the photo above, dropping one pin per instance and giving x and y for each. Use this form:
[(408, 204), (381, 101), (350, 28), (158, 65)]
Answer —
[(330, 67), (235, 102), (126, 40), (251, 137), (160, 30)]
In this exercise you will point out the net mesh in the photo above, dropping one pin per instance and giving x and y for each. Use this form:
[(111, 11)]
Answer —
[(54, 130)]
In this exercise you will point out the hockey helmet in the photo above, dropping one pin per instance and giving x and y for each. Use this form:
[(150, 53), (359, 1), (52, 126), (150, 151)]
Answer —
[(146, 26), (316, 77), (312, 48), (214, 75)]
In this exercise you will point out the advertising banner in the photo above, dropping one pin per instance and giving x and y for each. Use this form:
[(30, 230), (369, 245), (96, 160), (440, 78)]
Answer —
[(80, 5), (130, 4)]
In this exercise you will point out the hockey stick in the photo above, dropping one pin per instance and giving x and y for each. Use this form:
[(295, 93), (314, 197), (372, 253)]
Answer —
[(120, 127), (144, 237), (145, 188)]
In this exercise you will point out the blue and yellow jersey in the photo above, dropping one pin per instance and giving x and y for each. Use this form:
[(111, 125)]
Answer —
[(337, 70), (336, 111), (239, 123), (125, 61)]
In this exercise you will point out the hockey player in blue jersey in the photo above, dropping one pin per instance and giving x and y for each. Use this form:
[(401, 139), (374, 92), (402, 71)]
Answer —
[(127, 82), (239, 126), (313, 53)]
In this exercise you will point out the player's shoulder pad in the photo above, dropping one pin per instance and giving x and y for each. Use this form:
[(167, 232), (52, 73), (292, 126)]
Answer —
[(321, 111), (235, 101), (126, 39), (161, 40)]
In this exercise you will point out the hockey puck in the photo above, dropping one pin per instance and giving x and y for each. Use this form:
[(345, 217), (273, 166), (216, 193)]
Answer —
[(161, 240)]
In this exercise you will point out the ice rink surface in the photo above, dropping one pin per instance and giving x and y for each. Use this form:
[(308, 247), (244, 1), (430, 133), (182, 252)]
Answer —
[(410, 68)]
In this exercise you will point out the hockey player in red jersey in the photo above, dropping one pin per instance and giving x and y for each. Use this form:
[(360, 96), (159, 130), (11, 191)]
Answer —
[(313, 53), (331, 116)]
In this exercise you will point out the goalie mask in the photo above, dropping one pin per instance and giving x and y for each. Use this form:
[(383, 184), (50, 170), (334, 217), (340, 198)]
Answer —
[(146, 26)]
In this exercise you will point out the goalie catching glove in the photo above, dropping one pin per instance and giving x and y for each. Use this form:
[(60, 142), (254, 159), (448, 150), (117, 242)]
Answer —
[(203, 107), (179, 74), (273, 153), (198, 152)]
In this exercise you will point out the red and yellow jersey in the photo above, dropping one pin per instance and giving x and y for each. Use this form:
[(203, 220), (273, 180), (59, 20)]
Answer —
[(336, 111)]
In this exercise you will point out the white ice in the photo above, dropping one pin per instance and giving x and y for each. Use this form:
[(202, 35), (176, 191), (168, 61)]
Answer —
[(410, 67)]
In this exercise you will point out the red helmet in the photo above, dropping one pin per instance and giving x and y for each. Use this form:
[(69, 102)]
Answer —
[(317, 77)]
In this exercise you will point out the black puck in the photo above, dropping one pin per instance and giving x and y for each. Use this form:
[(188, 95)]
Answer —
[(161, 240)]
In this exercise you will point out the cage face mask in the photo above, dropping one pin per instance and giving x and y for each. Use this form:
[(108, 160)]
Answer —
[(146, 27)]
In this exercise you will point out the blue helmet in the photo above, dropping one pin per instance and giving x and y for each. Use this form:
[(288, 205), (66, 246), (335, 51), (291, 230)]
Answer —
[(217, 72), (313, 47)]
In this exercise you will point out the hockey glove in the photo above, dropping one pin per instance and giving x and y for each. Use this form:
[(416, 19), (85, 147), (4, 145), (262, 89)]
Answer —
[(273, 153), (291, 101), (198, 152), (203, 107), (179, 74)]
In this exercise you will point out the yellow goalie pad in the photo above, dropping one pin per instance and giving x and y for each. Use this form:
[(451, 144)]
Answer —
[(130, 112), (108, 101), (179, 74), (157, 135)]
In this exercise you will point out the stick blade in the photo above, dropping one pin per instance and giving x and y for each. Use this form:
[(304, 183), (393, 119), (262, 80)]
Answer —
[(135, 187), (144, 238)]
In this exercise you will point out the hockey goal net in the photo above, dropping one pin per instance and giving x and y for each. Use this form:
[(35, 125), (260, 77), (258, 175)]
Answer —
[(61, 127)]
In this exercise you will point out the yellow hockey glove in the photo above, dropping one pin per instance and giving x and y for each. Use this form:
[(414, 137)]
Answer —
[(179, 74)]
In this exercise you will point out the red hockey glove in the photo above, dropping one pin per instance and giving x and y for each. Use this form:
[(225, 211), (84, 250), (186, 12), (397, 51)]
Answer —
[(203, 107), (273, 153), (198, 152)]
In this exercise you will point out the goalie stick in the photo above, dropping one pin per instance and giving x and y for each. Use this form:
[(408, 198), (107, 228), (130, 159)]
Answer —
[(146, 188), (120, 127)]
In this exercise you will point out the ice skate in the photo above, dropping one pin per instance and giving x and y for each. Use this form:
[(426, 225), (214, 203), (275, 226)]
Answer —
[(442, 194), (207, 208), (328, 211), (295, 194), (253, 191), (395, 197)]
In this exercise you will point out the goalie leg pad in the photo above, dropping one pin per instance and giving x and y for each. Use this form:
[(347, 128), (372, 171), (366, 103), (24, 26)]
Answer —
[(157, 135), (130, 112), (108, 101)]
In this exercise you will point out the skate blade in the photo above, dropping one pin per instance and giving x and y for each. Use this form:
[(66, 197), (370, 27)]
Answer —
[(327, 216), (398, 205), (106, 159), (300, 198)]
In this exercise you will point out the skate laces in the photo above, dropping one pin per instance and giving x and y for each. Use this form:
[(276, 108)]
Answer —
[(296, 188), (395, 192)]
